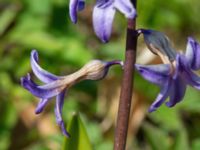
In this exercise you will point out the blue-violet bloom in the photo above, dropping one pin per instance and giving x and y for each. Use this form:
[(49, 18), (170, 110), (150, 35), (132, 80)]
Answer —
[(74, 7), (173, 77), (103, 14), (59, 85)]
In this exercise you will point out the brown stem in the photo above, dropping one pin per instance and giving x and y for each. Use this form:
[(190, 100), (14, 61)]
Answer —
[(127, 86)]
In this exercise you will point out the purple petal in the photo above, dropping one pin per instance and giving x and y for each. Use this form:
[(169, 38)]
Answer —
[(74, 6), (58, 113), (81, 5), (177, 91), (190, 77), (45, 91), (102, 21), (40, 73), (41, 105), (193, 53), (73, 10), (190, 50), (103, 3), (126, 8), (157, 74), (162, 96)]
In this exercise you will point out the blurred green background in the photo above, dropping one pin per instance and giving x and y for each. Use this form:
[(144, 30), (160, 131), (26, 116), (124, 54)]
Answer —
[(63, 48)]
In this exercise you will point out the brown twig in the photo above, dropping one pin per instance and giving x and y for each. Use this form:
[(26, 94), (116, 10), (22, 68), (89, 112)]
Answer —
[(127, 85)]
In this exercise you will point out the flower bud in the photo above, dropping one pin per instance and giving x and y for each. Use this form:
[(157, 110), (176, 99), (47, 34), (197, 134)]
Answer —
[(158, 43)]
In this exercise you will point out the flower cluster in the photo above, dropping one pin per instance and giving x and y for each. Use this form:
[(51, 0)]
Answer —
[(172, 77), (103, 14), (59, 85), (177, 71)]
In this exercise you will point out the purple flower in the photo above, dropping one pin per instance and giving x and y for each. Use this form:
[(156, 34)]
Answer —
[(103, 14), (74, 7), (59, 85), (174, 77)]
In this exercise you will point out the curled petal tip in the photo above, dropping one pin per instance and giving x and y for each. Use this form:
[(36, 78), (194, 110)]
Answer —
[(73, 10), (64, 131), (74, 7), (74, 21), (151, 109), (126, 7), (34, 55), (168, 104), (104, 40), (104, 35), (193, 53), (38, 110), (40, 73), (41, 105), (34, 51), (190, 39), (45, 92), (24, 81)]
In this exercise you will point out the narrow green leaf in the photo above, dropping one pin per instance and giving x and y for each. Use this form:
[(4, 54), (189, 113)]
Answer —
[(79, 139), (181, 140)]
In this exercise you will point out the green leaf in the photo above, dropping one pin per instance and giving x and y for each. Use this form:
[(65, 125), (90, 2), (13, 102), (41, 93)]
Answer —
[(191, 101), (79, 139), (181, 140), (196, 144), (156, 137)]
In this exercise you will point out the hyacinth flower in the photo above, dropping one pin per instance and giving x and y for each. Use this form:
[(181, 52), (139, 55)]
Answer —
[(74, 7), (59, 85), (177, 71), (103, 14)]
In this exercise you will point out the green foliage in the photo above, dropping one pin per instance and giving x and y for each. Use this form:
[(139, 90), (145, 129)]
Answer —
[(79, 139), (63, 48), (155, 136)]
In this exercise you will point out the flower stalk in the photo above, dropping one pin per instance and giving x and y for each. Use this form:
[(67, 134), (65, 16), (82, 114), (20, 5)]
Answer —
[(127, 86)]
